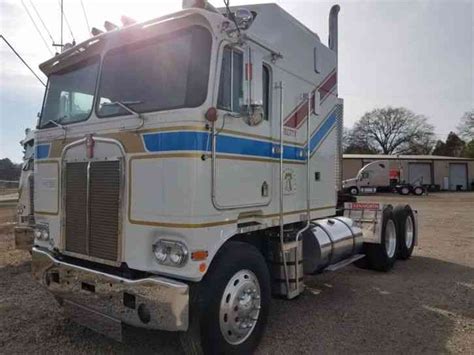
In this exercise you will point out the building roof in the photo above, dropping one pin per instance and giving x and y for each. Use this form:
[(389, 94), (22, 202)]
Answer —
[(402, 157)]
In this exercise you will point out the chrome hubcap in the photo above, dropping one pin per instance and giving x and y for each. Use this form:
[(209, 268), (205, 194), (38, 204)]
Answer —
[(240, 307), (390, 238), (409, 232)]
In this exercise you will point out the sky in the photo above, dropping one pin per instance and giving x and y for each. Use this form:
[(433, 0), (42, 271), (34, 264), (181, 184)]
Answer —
[(416, 54)]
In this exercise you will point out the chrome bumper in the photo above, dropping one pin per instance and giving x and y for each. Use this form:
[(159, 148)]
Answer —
[(99, 300)]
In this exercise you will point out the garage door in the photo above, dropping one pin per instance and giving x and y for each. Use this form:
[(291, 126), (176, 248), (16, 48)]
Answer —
[(419, 173), (457, 176)]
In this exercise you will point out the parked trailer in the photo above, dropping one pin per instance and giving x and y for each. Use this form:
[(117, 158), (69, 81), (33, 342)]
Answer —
[(185, 171), (378, 177)]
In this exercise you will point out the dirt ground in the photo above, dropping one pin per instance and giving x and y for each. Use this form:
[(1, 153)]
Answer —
[(424, 305)]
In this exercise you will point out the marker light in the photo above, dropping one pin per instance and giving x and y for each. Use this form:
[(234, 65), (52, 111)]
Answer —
[(211, 114)]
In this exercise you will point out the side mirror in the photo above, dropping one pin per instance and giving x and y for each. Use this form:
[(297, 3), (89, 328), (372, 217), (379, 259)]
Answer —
[(252, 106), (253, 116)]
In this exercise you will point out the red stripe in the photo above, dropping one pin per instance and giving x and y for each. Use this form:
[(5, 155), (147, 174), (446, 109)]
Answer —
[(298, 115), (328, 85)]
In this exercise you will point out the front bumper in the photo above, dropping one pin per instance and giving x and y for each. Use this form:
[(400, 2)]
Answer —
[(24, 238), (103, 301)]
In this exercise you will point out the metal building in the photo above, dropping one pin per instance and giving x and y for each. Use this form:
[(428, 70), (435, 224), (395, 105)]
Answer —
[(447, 173)]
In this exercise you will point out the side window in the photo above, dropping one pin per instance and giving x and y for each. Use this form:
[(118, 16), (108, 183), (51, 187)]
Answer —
[(266, 81), (231, 81)]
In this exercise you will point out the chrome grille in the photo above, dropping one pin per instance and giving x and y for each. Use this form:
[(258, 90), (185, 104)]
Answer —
[(104, 192), (92, 208), (76, 207)]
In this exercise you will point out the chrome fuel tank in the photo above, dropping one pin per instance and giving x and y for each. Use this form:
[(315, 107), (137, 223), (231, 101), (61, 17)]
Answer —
[(330, 241)]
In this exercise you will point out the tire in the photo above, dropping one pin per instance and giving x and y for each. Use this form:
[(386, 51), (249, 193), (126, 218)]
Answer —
[(406, 231), (404, 190), (418, 191), (236, 285), (382, 257), (354, 191)]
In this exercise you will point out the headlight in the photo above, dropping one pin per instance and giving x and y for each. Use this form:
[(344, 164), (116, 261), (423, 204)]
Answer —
[(170, 253), (42, 232), (38, 233)]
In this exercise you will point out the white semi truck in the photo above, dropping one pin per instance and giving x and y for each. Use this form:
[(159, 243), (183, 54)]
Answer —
[(25, 209), (187, 168), (378, 177)]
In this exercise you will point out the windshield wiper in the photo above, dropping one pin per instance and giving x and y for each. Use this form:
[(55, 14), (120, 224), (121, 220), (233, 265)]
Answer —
[(125, 106), (56, 123)]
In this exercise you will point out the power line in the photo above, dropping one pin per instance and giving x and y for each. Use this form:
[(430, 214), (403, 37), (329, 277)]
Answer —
[(63, 13), (37, 29), (41, 20), (85, 16), (23, 61)]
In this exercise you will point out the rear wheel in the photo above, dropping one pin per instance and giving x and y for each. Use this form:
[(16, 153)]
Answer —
[(404, 190), (232, 303), (406, 231), (382, 256)]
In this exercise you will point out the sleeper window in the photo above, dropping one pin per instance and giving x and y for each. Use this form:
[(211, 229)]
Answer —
[(231, 85), (266, 91)]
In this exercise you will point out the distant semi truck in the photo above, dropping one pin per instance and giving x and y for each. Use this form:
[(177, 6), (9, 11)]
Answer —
[(25, 209), (378, 177)]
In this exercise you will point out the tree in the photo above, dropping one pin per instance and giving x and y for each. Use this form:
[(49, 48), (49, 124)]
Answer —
[(454, 146), (393, 131), (466, 126), (469, 149), (9, 170)]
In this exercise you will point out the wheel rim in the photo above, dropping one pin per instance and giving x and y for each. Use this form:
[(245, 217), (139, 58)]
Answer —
[(409, 232), (353, 191), (240, 307), (405, 191), (390, 238)]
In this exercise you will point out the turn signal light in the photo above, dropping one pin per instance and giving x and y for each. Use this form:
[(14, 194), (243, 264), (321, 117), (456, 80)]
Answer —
[(199, 255)]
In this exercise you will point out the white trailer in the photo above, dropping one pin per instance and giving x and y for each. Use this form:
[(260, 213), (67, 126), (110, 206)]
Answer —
[(186, 170)]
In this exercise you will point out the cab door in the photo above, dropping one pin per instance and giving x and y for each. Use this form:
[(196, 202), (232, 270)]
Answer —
[(244, 153)]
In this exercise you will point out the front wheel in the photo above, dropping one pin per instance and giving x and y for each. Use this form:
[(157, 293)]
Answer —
[(354, 191), (232, 303)]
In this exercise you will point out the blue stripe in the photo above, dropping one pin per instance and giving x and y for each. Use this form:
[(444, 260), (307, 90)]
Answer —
[(198, 141), (323, 130), (42, 151)]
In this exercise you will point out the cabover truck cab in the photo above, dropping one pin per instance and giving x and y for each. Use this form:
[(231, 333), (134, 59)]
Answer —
[(187, 168)]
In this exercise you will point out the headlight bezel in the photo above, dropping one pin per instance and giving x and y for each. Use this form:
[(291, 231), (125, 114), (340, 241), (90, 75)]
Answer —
[(164, 250)]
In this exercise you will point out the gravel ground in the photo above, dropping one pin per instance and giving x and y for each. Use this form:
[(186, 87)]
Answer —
[(424, 305)]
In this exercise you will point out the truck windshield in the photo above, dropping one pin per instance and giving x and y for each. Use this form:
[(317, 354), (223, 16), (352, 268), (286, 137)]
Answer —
[(162, 73), (70, 93)]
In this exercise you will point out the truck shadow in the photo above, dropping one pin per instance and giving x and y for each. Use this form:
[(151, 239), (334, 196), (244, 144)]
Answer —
[(420, 306), (415, 308)]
